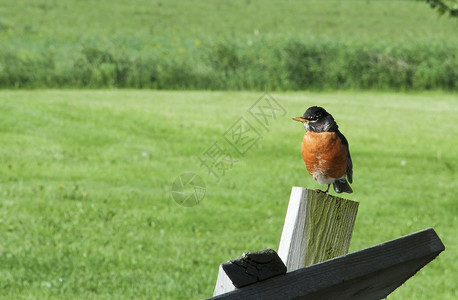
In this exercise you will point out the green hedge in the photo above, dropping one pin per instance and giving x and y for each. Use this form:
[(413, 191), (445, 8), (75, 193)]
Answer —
[(234, 65)]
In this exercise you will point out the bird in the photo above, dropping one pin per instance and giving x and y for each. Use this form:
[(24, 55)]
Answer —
[(325, 150)]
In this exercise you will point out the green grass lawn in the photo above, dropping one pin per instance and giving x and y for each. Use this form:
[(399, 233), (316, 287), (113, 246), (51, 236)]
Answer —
[(181, 22), (86, 209)]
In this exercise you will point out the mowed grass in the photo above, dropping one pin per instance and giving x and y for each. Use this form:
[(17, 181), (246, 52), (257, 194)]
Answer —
[(86, 209), (182, 21)]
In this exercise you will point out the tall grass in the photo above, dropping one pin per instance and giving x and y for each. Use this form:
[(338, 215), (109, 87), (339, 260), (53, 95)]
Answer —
[(234, 64)]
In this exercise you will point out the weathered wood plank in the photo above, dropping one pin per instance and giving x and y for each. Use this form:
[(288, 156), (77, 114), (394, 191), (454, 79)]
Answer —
[(317, 227), (247, 269), (372, 273), (252, 267)]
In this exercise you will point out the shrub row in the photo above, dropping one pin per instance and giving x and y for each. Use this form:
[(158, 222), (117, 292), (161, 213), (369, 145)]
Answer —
[(232, 65)]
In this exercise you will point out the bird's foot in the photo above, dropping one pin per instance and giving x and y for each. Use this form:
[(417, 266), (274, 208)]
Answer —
[(327, 190), (324, 192)]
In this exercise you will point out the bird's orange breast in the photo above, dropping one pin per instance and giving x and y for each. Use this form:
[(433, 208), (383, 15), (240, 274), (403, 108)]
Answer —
[(324, 154)]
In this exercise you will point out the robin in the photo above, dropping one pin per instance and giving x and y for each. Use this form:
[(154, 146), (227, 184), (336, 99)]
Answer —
[(325, 150)]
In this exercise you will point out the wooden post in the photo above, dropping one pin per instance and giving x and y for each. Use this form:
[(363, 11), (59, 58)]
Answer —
[(369, 274), (317, 227)]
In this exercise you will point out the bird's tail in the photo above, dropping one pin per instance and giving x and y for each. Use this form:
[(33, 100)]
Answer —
[(341, 185)]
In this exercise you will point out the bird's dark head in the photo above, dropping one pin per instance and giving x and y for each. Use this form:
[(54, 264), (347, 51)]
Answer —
[(317, 119)]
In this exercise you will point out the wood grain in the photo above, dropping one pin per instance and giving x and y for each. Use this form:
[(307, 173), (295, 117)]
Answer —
[(317, 227), (372, 273), (329, 226)]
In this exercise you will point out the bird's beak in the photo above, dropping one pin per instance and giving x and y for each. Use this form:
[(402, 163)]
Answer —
[(300, 119)]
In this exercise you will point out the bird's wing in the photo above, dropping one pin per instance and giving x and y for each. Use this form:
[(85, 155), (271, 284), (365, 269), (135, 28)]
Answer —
[(344, 142)]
